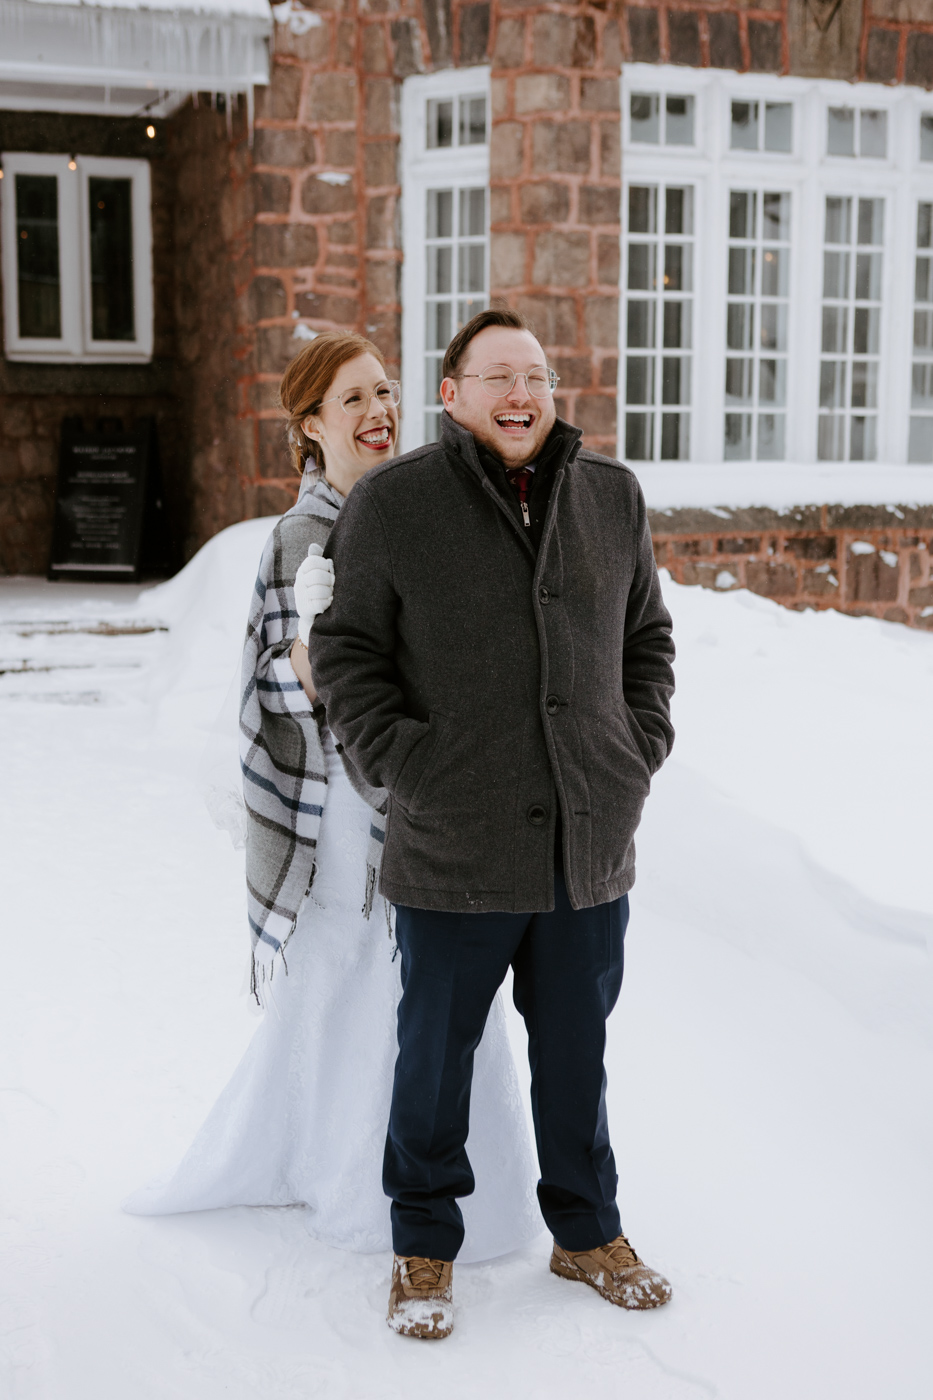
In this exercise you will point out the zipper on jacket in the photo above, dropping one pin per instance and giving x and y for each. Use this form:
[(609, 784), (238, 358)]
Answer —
[(525, 516)]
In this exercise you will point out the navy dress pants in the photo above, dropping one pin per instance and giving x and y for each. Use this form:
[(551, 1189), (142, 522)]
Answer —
[(567, 968)]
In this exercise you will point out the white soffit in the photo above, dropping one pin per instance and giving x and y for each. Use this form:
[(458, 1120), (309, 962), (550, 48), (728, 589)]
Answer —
[(119, 57)]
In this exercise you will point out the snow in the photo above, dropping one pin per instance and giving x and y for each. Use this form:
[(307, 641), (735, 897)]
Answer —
[(783, 485), (769, 1063), (258, 9)]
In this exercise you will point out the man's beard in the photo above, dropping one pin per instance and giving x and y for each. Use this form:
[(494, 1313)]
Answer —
[(526, 451)]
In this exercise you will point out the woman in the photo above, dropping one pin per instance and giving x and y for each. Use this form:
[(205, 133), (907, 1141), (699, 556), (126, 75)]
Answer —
[(303, 1120)]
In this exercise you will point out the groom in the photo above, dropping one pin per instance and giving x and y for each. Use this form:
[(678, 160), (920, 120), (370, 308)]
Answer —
[(498, 656)]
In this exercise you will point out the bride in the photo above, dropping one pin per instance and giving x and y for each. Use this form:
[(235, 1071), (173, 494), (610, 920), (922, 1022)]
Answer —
[(303, 1120)]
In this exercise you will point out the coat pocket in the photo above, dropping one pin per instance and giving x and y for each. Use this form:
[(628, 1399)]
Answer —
[(417, 768), (639, 739)]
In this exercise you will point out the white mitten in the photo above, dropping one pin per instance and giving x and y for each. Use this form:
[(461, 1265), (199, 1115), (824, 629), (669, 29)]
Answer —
[(314, 589)]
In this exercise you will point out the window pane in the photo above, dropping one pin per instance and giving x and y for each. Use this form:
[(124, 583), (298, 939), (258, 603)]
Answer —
[(744, 135), (773, 326), (835, 323), (472, 121), (868, 277), (926, 142), (925, 225), (737, 444), (678, 210), (838, 220), (921, 387), (678, 267), (675, 380), (740, 378), (779, 126), (831, 438), (642, 267), (677, 325), (864, 384), (440, 213), (866, 330), (440, 123), (639, 441), (741, 271), (923, 330), (675, 437), (639, 379), (739, 323), (840, 131), (862, 446), (646, 123), (771, 437), (873, 134), (471, 270), (835, 276), (741, 214), (678, 126), (641, 324), (438, 328), (832, 383), (37, 257), (920, 447), (112, 315), (772, 382), (776, 215), (643, 209), (472, 213), (439, 268), (870, 221), (432, 426), (774, 272)]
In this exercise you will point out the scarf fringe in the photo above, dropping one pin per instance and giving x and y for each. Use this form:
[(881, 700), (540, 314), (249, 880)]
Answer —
[(261, 974), (372, 875)]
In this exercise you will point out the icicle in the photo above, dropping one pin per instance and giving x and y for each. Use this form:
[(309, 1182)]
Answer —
[(250, 115)]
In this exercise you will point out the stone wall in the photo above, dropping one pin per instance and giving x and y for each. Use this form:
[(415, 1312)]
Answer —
[(35, 397), (556, 195), (864, 560), (880, 41)]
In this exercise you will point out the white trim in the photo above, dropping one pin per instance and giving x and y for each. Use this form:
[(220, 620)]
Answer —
[(809, 175), (424, 169), (76, 344)]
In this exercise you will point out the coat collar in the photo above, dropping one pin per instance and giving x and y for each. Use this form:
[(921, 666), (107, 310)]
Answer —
[(563, 441)]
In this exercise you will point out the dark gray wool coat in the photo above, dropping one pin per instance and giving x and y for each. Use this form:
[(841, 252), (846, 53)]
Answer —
[(485, 686)]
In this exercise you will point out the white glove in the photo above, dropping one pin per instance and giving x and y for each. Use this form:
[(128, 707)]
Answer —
[(314, 589)]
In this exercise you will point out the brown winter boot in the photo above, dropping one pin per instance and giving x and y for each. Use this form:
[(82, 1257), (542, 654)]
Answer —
[(421, 1300), (616, 1272)]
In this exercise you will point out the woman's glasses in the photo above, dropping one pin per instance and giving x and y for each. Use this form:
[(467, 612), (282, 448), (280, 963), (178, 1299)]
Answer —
[(499, 379), (355, 402)]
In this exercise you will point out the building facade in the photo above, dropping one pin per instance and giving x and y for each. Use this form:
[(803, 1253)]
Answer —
[(718, 217)]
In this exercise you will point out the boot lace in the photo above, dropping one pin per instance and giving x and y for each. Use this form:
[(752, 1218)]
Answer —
[(620, 1254), (425, 1274)]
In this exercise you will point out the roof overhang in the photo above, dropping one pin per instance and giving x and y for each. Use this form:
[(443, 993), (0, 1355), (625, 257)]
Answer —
[(120, 58)]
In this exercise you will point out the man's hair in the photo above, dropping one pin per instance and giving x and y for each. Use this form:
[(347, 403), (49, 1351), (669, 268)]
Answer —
[(496, 316)]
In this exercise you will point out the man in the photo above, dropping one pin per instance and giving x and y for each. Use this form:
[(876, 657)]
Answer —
[(498, 656)]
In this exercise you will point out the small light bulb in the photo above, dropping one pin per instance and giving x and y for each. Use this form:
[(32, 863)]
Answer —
[(72, 164), (150, 132)]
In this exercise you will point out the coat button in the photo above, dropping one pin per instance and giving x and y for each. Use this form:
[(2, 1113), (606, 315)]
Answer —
[(552, 704), (544, 594), (537, 815)]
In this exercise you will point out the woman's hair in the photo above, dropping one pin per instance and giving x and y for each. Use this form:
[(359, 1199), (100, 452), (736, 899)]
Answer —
[(306, 381)]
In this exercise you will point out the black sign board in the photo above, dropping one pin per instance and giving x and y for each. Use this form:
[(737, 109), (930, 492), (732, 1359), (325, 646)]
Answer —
[(109, 515)]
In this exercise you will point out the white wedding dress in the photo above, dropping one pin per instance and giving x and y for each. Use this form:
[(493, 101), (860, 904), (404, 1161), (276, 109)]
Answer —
[(303, 1120)]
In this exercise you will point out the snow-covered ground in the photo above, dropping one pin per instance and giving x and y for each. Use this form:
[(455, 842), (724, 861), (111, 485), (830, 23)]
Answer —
[(769, 1063)]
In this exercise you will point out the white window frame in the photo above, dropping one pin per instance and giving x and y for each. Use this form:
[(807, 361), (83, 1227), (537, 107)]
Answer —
[(809, 175), (424, 168), (76, 345)]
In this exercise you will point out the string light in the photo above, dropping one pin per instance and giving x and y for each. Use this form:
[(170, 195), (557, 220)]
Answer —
[(150, 132), (72, 164)]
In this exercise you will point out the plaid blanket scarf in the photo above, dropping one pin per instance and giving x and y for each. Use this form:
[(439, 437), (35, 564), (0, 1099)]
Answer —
[(281, 756)]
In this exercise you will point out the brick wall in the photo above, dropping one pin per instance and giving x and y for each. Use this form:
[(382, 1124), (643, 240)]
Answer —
[(863, 560), (881, 41), (555, 192)]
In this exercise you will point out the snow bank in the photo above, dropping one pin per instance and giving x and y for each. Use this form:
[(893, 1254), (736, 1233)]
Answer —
[(782, 485)]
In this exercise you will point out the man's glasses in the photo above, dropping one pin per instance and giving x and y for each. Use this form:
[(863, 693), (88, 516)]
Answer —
[(355, 402), (499, 379)]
